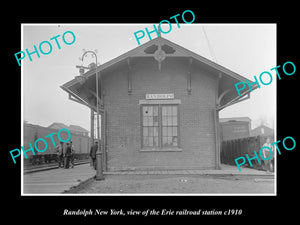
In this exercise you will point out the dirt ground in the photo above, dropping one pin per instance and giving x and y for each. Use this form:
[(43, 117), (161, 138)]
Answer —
[(180, 184)]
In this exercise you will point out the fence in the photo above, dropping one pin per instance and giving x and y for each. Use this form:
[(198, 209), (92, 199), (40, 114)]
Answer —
[(232, 149)]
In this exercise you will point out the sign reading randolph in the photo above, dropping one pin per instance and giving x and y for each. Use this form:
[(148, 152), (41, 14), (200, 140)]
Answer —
[(160, 96)]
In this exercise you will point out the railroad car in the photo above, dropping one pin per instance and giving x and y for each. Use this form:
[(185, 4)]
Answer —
[(80, 143)]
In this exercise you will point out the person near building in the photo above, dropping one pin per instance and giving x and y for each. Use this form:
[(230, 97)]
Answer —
[(72, 156), (59, 152), (268, 164), (67, 155), (93, 152)]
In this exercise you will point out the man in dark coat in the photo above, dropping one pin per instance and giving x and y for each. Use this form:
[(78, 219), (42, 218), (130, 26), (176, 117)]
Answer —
[(60, 156), (67, 154), (72, 157), (93, 151)]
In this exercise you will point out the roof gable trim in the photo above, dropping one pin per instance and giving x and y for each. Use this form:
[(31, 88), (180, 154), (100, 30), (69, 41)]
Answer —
[(179, 51)]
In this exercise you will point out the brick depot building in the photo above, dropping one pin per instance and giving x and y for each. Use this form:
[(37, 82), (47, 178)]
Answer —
[(159, 106)]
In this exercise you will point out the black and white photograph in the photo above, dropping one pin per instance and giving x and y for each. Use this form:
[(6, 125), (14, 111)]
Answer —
[(132, 109), (144, 114)]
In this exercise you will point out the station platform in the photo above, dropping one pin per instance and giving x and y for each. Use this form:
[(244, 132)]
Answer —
[(56, 180), (61, 180), (226, 170)]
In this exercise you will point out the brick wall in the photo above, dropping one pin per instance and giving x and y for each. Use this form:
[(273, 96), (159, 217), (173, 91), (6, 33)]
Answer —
[(196, 118)]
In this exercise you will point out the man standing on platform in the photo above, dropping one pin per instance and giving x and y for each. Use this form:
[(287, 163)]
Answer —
[(93, 151), (72, 157), (59, 152), (67, 155)]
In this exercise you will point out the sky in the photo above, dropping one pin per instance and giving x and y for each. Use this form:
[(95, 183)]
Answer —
[(247, 49)]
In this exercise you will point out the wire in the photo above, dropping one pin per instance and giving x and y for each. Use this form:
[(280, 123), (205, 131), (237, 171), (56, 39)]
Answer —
[(213, 56)]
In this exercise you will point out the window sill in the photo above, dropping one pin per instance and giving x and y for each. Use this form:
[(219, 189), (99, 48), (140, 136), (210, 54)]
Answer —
[(161, 150)]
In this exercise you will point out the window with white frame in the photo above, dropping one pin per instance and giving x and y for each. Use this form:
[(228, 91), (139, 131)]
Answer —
[(160, 126)]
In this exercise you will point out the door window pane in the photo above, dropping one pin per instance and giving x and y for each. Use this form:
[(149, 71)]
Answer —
[(165, 131), (150, 141), (170, 131), (174, 121), (145, 131), (145, 121), (164, 111), (150, 121), (155, 120), (170, 121), (155, 131), (145, 110), (150, 134), (146, 141), (174, 131), (165, 141), (155, 141), (174, 141), (155, 111), (150, 111), (174, 110), (169, 140), (164, 120), (169, 110)]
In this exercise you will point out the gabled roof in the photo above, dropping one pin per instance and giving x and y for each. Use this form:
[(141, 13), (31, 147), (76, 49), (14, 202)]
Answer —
[(179, 51), (226, 87)]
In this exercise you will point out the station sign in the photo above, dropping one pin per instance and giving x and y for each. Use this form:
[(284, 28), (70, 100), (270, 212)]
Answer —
[(160, 96)]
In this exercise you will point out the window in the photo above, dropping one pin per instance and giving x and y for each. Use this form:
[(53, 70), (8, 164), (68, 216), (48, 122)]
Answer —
[(169, 126), (159, 126), (150, 126)]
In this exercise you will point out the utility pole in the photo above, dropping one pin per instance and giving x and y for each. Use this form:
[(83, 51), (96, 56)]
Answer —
[(99, 155)]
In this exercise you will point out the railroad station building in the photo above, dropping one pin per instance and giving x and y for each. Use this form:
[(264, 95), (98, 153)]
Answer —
[(159, 106)]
